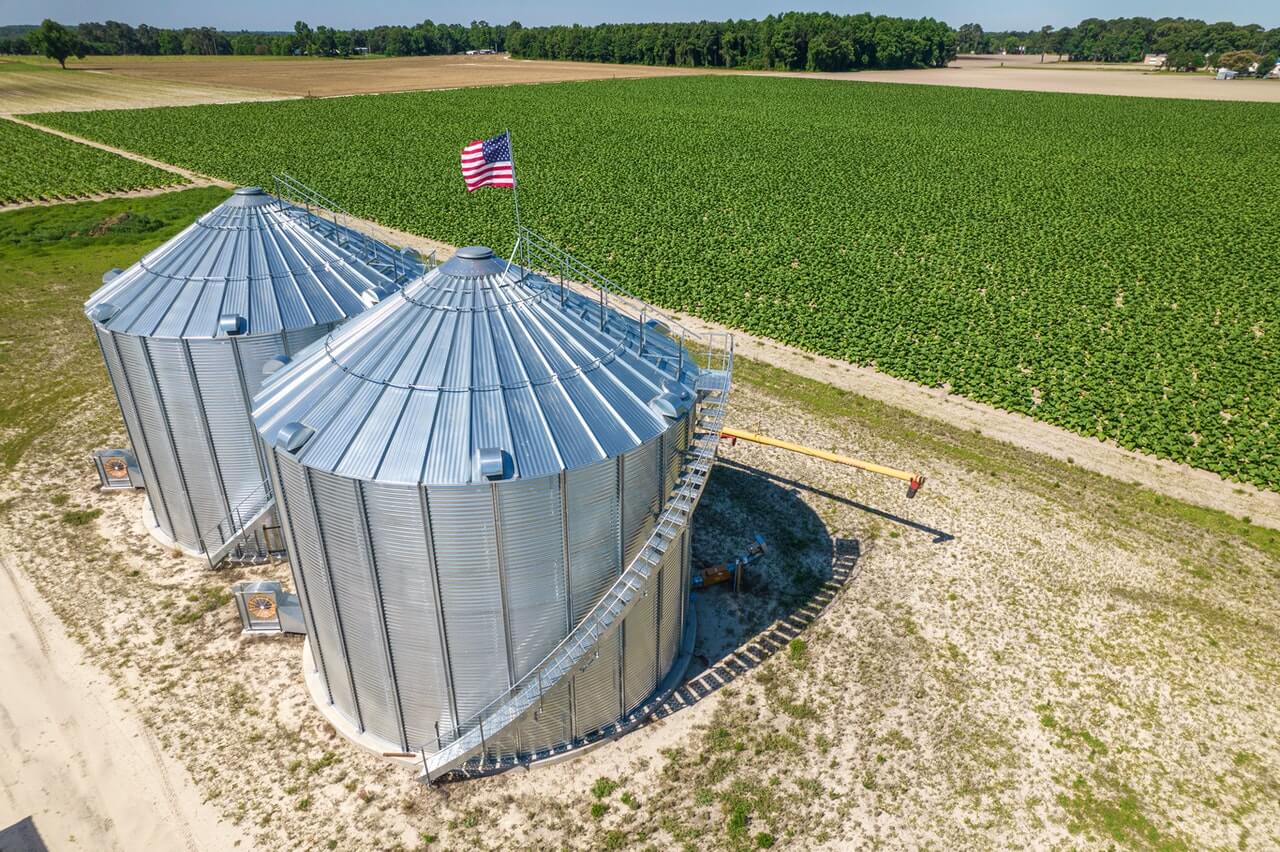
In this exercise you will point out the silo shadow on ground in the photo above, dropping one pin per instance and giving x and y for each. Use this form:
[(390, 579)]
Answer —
[(806, 566)]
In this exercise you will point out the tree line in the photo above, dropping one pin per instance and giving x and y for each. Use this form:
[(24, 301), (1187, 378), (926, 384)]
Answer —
[(117, 39), (1189, 43), (794, 41)]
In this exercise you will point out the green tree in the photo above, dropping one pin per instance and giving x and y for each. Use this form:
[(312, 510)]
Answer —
[(56, 42), (1239, 60)]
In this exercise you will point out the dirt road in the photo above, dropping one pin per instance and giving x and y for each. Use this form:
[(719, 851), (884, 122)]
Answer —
[(76, 760)]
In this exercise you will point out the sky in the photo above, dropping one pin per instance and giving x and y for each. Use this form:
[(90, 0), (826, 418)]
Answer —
[(258, 15)]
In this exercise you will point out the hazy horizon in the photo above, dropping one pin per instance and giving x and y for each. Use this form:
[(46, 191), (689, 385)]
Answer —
[(235, 15)]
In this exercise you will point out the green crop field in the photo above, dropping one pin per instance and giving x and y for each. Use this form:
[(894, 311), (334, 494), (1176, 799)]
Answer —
[(38, 165), (1106, 264)]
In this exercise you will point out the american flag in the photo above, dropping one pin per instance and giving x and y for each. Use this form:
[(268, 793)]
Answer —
[(488, 162)]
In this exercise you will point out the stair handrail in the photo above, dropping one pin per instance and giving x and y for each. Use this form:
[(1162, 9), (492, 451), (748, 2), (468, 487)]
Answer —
[(232, 526), (557, 261), (287, 186), (614, 604)]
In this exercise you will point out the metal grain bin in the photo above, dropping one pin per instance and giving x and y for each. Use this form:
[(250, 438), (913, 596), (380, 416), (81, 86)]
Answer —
[(188, 332), (461, 473)]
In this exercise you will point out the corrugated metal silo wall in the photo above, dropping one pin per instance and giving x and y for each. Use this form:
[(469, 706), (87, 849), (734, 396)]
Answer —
[(597, 689), (465, 541), (641, 481), (235, 446), (594, 548), (532, 539), (640, 649), (358, 604), (185, 408), (167, 475), (670, 604), (400, 542), (311, 576), (138, 438)]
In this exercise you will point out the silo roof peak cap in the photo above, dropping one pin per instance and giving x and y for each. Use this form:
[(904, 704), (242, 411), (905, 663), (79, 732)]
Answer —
[(474, 253), (249, 190)]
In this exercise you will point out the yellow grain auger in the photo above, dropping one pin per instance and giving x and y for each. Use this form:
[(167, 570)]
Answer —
[(914, 480)]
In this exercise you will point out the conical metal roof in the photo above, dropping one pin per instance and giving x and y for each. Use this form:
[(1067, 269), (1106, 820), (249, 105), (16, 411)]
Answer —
[(252, 265), (476, 371)]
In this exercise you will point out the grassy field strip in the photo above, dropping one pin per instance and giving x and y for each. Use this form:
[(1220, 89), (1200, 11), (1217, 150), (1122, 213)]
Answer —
[(40, 167), (1007, 259), (192, 177)]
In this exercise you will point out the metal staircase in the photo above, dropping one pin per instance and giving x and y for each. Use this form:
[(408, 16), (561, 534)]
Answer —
[(714, 354), (235, 538)]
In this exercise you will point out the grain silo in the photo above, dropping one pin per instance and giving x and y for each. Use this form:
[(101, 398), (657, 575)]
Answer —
[(485, 484), (188, 333)]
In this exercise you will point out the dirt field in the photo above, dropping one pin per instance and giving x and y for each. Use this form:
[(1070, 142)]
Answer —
[(1028, 74), (153, 81), (29, 87), (328, 77)]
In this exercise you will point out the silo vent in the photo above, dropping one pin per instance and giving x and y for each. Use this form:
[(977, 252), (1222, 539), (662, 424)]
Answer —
[(249, 190), (103, 312), (232, 324), (292, 436), (666, 405), (491, 463), (274, 364), (369, 298), (110, 274)]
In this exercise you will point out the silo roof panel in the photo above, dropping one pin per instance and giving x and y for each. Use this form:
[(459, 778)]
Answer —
[(407, 446), (280, 267), (575, 443), (369, 446), (472, 355)]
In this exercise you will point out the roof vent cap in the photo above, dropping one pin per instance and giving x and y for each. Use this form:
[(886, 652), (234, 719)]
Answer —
[(275, 364), (474, 253), (103, 312), (292, 436), (232, 324), (492, 463), (249, 190), (110, 274)]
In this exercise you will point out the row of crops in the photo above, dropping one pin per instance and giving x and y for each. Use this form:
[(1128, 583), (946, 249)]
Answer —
[(1106, 264), (40, 166)]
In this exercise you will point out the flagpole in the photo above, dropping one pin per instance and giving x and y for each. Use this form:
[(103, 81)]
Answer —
[(515, 200)]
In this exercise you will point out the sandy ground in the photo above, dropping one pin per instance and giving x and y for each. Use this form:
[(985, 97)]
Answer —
[(1021, 657), (55, 91), (330, 77), (76, 759)]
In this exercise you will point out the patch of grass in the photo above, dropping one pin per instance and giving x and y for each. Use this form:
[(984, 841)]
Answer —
[(603, 787), (796, 650), (51, 260), (616, 839), (598, 810), (80, 517), (765, 840), (1063, 483), (204, 601), (1116, 816)]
